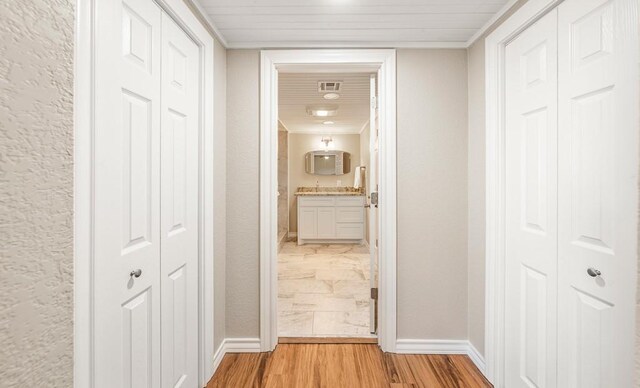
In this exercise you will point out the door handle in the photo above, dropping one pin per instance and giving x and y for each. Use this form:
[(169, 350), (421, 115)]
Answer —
[(593, 272), (136, 273)]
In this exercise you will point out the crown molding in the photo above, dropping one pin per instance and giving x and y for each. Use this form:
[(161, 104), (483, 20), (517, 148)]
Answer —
[(490, 22)]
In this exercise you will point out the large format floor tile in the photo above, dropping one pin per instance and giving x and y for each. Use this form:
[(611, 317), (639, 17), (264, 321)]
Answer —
[(323, 290)]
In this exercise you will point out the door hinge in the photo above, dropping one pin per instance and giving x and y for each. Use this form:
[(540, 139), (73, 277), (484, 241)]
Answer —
[(374, 103), (374, 293)]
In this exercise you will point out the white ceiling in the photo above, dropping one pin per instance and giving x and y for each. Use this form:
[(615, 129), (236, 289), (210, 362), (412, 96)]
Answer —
[(352, 23), (296, 91)]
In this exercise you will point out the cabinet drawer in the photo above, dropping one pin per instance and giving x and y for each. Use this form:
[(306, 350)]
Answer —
[(350, 201), (350, 230), (316, 201), (350, 214)]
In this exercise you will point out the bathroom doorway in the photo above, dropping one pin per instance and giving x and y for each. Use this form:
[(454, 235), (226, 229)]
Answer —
[(326, 271), (325, 117)]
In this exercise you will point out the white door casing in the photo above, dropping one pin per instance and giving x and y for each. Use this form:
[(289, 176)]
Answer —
[(531, 206), (598, 192), (127, 195), (179, 206)]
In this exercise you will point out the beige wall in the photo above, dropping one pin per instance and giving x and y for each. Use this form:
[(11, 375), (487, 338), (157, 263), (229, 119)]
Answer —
[(432, 194), (243, 172), (476, 171), (36, 193), (220, 194), (299, 145)]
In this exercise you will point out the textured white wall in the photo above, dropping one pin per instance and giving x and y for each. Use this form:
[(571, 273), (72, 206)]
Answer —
[(432, 194), (36, 193), (243, 198)]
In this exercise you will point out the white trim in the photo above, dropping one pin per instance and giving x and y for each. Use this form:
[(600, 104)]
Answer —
[(495, 161), (477, 358), (422, 346), (427, 346), (344, 45), (84, 190), (201, 13), (242, 345), (270, 61), (218, 356), (293, 234), (491, 21), (364, 126)]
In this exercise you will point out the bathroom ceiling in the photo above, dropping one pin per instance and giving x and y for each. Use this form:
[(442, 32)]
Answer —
[(297, 91), (349, 23)]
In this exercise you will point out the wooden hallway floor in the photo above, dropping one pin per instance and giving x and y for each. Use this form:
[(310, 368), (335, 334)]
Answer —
[(344, 366)]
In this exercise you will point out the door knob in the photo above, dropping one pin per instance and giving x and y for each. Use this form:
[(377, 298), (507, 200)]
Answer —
[(136, 273), (593, 272)]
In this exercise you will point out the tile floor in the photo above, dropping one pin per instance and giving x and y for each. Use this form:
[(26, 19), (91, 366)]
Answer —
[(323, 290)]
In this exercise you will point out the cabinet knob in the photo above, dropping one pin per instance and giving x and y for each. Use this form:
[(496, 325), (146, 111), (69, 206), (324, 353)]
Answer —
[(136, 273)]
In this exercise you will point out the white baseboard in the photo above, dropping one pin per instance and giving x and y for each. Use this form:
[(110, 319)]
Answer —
[(293, 234), (235, 345), (477, 359), (420, 346)]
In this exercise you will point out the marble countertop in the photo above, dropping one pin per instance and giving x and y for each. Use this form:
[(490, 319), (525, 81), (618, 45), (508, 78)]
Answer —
[(332, 191)]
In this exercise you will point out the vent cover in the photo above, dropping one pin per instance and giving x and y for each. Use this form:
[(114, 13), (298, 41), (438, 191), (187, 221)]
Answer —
[(329, 86)]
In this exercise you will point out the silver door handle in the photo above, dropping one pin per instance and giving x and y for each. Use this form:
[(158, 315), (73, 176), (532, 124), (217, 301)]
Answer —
[(136, 273), (593, 272)]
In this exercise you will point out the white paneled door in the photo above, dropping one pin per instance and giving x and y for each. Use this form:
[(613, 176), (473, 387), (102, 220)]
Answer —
[(145, 205), (571, 194), (598, 163), (531, 206), (179, 207)]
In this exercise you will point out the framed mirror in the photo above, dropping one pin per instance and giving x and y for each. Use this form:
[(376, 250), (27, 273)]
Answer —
[(327, 162)]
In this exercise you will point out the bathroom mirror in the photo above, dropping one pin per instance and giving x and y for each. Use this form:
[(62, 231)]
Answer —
[(327, 162)]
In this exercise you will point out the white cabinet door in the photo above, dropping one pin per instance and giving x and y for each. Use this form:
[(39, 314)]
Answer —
[(531, 207), (598, 186), (307, 222), (326, 222), (126, 316), (179, 206)]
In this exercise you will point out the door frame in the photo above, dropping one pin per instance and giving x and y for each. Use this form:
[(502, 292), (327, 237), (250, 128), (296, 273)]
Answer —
[(271, 61), (84, 95)]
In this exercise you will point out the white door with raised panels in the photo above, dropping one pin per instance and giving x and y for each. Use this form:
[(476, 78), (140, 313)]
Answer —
[(179, 206), (598, 192), (531, 206), (126, 232), (145, 205)]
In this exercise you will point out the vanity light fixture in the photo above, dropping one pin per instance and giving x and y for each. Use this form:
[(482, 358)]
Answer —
[(327, 141)]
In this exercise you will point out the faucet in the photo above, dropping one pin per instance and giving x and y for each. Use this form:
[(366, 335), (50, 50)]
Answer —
[(317, 185)]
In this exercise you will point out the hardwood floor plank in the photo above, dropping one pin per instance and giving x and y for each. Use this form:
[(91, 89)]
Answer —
[(344, 366)]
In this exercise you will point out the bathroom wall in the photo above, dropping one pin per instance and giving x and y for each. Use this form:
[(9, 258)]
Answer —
[(299, 145), (283, 182), (36, 193)]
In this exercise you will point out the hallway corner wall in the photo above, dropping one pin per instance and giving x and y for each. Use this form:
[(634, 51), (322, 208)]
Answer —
[(36, 193)]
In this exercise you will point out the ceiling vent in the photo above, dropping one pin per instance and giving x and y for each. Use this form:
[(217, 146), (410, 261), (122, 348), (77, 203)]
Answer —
[(329, 86)]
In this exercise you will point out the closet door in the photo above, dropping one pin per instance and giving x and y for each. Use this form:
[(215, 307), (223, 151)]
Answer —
[(179, 206), (598, 185), (126, 203), (531, 207)]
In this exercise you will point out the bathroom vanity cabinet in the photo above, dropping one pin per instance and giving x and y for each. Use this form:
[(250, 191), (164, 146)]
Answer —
[(331, 219)]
